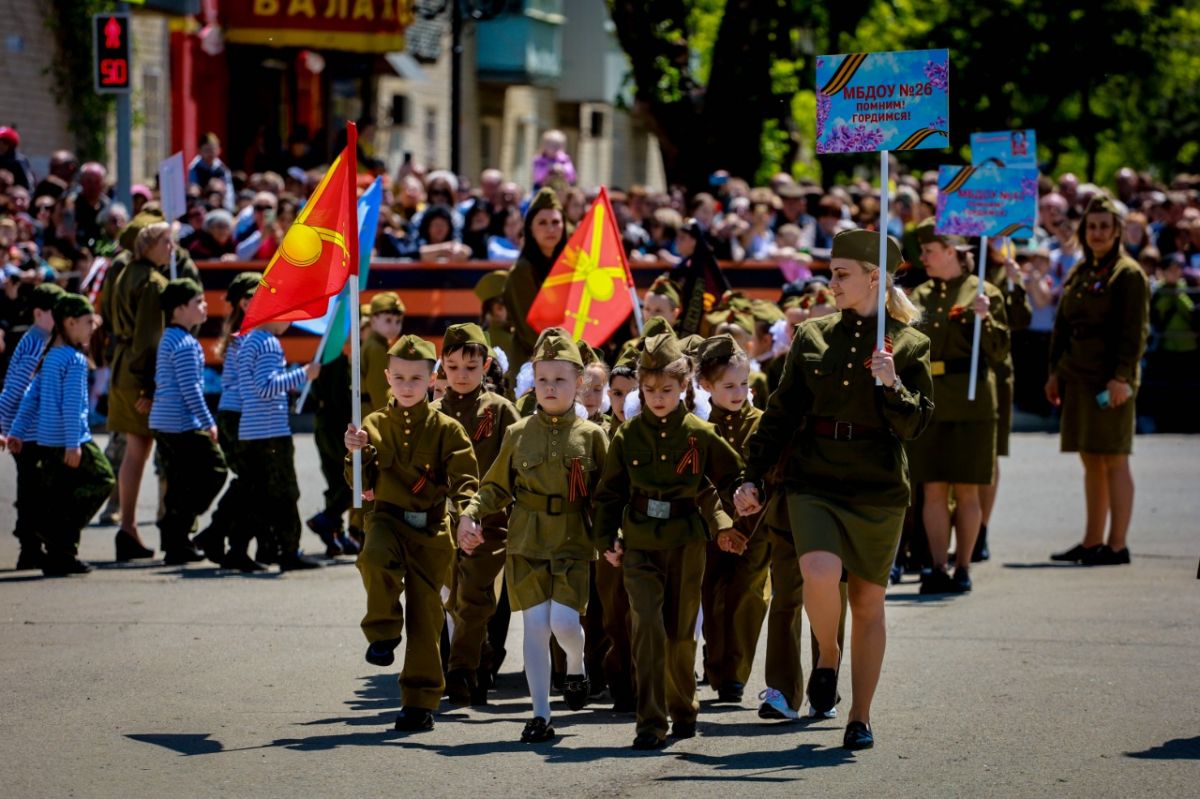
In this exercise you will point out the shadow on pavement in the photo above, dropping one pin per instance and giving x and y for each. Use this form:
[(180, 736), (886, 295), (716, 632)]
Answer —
[(1175, 749), (1045, 565), (185, 744)]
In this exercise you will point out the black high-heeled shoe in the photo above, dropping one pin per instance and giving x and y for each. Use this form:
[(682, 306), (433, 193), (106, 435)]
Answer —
[(128, 548)]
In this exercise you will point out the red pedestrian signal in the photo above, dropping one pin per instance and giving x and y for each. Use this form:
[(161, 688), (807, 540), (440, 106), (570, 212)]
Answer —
[(111, 47)]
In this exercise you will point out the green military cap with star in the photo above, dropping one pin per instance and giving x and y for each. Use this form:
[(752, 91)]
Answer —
[(691, 344), (491, 285), (655, 326), (466, 333), (717, 348), (766, 311), (555, 344), (413, 348), (660, 352), (386, 302), (663, 286)]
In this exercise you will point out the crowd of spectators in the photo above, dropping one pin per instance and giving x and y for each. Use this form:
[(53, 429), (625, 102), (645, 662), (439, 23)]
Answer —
[(56, 226)]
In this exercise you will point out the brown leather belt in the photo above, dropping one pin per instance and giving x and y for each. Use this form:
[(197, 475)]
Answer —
[(823, 427), (663, 508), (552, 504)]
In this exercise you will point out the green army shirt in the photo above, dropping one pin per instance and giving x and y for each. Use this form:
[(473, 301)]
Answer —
[(1102, 323), (374, 372), (949, 322), (827, 375), (547, 468), (416, 461), (667, 459)]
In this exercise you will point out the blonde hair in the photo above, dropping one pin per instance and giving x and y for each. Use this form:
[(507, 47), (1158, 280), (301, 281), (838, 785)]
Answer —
[(148, 236), (899, 306)]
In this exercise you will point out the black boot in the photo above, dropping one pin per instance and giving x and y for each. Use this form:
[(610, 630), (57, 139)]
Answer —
[(414, 719), (981, 551), (32, 557), (128, 548)]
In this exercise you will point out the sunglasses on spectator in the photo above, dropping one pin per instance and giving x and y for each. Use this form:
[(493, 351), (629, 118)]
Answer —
[(264, 208)]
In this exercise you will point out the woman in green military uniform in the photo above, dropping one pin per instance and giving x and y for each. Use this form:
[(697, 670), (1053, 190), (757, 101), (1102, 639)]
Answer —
[(547, 469), (545, 237), (959, 449), (659, 466), (846, 481), (1096, 349)]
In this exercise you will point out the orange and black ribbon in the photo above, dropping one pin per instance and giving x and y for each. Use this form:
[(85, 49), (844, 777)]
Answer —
[(887, 347), (691, 457), (486, 425), (577, 482), (957, 312), (422, 481)]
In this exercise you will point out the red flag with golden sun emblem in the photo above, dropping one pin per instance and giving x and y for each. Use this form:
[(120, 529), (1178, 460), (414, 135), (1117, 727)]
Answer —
[(319, 251), (588, 289)]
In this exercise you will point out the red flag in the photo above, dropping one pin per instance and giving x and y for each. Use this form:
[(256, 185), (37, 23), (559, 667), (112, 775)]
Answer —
[(587, 290), (319, 251)]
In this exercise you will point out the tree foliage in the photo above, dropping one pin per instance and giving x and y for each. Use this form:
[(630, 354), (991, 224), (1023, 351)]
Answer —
[(87, 111), (1105, 83)]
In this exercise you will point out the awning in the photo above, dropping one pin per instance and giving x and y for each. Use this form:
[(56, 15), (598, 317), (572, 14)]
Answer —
[(360, 26)]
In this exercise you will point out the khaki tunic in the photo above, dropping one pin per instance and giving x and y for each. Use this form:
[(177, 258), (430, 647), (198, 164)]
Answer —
[(827, 375), (485, 416), (1099, 335), (375, 391), (418, 461), (960, 444), (550, 521)]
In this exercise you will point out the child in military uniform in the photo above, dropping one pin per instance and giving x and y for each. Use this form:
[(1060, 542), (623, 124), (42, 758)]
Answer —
[(228, 520), (21, 365), (53, 414), (548, 466), (268, 452), (386, 320), (959, 449), (662, 299), (415, 461), (846, 480), (735, 574), (486, 416), (658, 465), (184, 428)]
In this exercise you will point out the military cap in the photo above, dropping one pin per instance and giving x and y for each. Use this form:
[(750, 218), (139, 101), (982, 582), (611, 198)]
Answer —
[(491, 285), (927, 234), (663, 286), (717, 348), (556, 345), (589, 354), (244, 284), (364, 312), (72, 306), (413, 348), (1103, 204), (660, 352), (863, 245), (734, 316), (691, 344), (545, 198), (178, 292), (656, 325), (46, 295), (467, 333), (386, 302), (765, 311), (793, 301), (629, 355), (144, 218)]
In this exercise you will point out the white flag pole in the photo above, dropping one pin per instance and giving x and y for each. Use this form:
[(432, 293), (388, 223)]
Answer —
[(355, 386), (983, 251), (881, 321)]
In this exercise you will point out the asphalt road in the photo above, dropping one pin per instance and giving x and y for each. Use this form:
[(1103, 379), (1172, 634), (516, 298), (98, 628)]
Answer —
[(149, 681)]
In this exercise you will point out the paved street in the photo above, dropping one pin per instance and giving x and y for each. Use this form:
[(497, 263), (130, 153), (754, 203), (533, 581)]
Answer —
[(148, 681)]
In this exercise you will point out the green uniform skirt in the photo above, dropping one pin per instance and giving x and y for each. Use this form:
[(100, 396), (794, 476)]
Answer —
[(1088, 428), (954, 452), (864, 537), (532, 581), (123, 416), (1004, 407)]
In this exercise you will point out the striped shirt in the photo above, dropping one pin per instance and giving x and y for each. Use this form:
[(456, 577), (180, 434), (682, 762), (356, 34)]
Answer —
[(179, 405), (264, 382), (54, 412), (231, 398), (20, 373)]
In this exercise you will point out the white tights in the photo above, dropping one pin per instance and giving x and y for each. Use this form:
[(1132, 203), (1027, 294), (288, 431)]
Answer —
[(540, 621)]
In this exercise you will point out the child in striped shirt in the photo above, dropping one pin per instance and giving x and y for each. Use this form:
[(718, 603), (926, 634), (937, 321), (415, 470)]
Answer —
[(268, 453), (54, 415), (228, 520), (21, 364), (183, 426)]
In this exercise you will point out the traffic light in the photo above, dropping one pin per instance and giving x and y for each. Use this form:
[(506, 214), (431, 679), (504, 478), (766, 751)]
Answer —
[(111, 48)]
